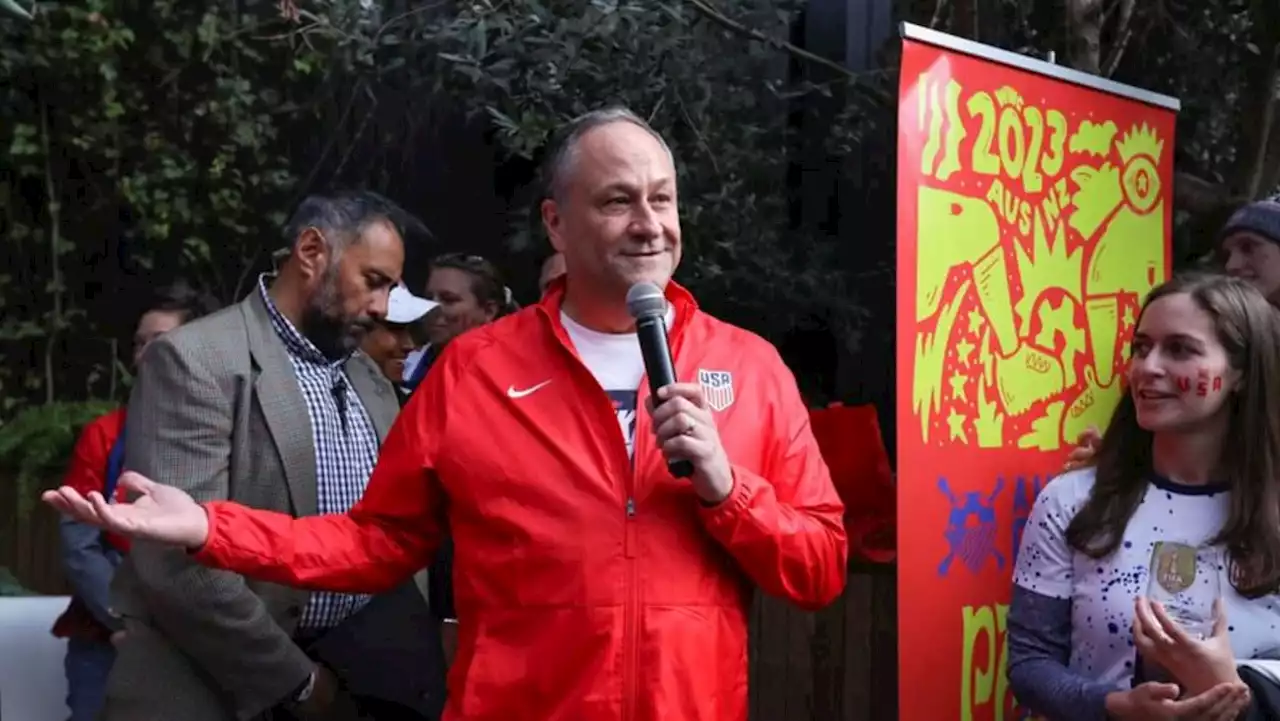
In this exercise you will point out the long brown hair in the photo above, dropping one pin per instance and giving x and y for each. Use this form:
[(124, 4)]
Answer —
[(1249, 329)]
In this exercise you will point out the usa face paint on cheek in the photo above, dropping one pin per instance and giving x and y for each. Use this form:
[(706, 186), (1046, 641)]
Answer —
[(1201, 385)]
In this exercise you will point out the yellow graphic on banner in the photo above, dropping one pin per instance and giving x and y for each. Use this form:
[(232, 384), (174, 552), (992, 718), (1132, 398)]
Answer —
[(1038, 235)]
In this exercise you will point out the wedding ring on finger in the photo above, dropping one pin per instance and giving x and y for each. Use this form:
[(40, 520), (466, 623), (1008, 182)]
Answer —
[(689, 429)]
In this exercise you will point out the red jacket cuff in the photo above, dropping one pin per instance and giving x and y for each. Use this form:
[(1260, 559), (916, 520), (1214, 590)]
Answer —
[(744, 488), (208, 554)]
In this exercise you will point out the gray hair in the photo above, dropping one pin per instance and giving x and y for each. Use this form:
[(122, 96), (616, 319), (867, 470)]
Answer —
[(559, 162), (343, 217)]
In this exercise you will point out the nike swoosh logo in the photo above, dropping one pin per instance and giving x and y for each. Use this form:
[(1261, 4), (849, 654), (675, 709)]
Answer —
[(513, 392)]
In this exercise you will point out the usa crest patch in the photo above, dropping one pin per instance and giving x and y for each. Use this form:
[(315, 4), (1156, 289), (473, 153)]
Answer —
[(717, 388)]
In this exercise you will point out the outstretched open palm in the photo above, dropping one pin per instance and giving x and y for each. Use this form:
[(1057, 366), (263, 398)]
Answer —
[(157, 513)]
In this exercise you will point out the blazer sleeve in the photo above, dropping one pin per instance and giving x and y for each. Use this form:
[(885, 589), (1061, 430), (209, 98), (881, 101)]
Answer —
[(180, 424), (785, 526)]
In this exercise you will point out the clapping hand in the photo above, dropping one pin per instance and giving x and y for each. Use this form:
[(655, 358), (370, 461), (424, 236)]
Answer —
[(157, 513), (1160, 702), (1197, 664)]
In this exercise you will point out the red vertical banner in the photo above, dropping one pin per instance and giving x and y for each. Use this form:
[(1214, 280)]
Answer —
[(1034, 214)]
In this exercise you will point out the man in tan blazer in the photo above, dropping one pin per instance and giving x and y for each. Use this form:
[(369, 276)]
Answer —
[(266, 403)]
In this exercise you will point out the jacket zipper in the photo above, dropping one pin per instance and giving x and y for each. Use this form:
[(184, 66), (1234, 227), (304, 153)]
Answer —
[(630, 622), (631, 631), (631, 607)]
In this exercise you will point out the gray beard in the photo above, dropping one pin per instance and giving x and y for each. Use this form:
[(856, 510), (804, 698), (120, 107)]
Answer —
[(323, 324)]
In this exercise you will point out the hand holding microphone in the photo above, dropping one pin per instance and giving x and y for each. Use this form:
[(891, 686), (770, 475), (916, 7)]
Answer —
[(682, 421)]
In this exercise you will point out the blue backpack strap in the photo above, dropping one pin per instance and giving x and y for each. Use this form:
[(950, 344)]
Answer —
[(115, 466)]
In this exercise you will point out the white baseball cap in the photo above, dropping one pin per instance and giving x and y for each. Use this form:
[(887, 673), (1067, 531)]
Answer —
[(405, 307)]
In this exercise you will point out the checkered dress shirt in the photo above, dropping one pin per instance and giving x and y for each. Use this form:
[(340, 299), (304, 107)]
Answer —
[(346, 446)]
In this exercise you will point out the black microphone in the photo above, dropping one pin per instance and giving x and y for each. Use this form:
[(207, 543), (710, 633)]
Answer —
[(339, 391), (648, 306)]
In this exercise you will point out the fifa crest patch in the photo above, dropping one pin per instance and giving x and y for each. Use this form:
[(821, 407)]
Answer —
[(717, 388)]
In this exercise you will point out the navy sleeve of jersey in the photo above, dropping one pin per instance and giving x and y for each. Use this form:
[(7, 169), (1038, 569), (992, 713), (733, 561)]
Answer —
[(1039, 640)]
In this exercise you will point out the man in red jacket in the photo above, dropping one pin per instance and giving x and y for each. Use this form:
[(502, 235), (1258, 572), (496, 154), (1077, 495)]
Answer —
[(591, 583)]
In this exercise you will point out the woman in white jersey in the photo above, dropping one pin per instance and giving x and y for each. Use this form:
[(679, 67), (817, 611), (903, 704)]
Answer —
[(1192, 454)]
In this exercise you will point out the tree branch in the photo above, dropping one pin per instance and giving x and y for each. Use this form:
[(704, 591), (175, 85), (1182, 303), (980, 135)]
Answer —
[(1257, 107), (697, 132), (1209, 205), (730, 24), (1084, 46), (12, 8), (964, 19), (1197, 195), (305, 186), (54, 206), (1124, 32), (1270, 169), (937, 14), (717, 17), (1266, 136)]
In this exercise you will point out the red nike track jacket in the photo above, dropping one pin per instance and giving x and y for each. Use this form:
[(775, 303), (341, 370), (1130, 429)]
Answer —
[(588, 587)]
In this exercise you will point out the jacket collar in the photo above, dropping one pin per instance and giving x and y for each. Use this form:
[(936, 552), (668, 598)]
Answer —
[(677, 295)]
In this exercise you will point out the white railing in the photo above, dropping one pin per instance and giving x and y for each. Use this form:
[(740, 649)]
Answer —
[(32, 685)]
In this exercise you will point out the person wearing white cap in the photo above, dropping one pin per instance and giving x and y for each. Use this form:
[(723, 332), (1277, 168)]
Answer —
[(391, 339)]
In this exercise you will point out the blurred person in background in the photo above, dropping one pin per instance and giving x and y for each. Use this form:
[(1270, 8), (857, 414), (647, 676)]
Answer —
[(89, 556), (422, 352), (470, 292), (1249, 247), (390, 341)]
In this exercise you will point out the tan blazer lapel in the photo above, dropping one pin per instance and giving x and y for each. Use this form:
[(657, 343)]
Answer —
[(282, 405), (375, 392)]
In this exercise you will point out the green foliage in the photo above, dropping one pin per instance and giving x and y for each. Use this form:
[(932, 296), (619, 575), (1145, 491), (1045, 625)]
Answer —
[(11, 586), (178, 134), (160, 130), (717, 92), (36, 445)]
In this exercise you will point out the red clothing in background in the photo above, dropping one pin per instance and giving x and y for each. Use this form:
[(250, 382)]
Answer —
[(88, 468), (87, 471)]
